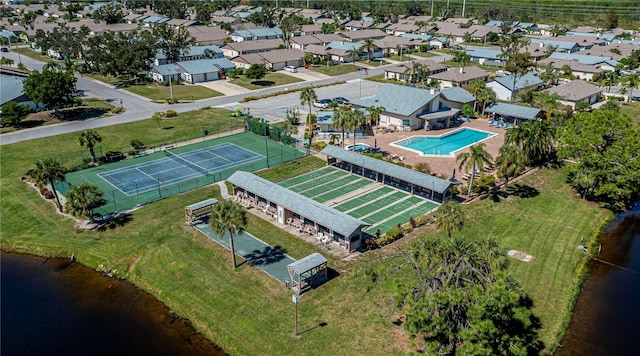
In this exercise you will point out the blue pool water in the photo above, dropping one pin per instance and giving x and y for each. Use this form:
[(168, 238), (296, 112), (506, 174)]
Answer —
[(444, 145)]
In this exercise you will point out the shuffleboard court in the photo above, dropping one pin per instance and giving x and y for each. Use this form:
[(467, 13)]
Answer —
[(389, 224), (317, 181), (305, 177), (343, 190), (378, 204), (174, 169), (363, 199)]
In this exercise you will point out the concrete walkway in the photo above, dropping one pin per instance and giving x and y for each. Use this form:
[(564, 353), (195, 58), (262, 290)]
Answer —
[(225, 87)]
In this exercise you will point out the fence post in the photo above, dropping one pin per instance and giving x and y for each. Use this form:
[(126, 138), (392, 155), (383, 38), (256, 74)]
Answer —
[(113, 195)]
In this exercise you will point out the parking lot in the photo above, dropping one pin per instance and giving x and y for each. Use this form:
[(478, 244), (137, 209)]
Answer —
[(274, 109)]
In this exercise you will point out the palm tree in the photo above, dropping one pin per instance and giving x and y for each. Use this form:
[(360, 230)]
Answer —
[(368, 45), (82, 199), (510, 162), (341, 118), (88, 139), (422, 71), (536, 138), (476, 157), (357, 120), (354, 53), (374, 114), (475, 87), (632, 82), (461, 57), (229, 217), (486, 96), (449, 217), (308, 96), (50, 171)]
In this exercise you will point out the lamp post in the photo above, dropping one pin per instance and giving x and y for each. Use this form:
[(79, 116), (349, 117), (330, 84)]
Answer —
[(170, 88)]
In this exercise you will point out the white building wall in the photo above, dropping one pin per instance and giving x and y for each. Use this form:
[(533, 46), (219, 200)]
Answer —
[(502, 93)]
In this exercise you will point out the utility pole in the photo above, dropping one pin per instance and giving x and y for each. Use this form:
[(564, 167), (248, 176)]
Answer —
[(464, 5)]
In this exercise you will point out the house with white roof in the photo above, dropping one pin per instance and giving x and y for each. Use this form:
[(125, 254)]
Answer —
[(205, 70), (507, 86), (606, 63)]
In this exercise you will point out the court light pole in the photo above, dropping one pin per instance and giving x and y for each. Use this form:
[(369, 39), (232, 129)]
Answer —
[(266, 146)]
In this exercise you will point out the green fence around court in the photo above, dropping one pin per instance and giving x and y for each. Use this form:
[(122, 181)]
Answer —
[(274, 153)]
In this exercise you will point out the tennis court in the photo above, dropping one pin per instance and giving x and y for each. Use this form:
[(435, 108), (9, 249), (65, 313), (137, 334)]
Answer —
[(381, 206), (176, 168)]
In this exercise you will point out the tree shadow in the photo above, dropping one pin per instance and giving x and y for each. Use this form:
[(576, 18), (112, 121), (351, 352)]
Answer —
[(266, 256), (168, 127), (27, 124), (263, 83), (111, 222), (522, 191), (81, 114)]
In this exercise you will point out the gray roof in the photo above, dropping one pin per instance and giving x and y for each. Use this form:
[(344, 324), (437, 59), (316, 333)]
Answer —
[(584, 58), (517, 111), (560, 44), (167, 69), (206, 65), (307, 263), (307, 207), (525, 81), (12, 87), (399, 99), (416, 36), (201, 204), (343, 45), (193, 51), (457, 94), (484, 52), (575, 90), (389, 169)]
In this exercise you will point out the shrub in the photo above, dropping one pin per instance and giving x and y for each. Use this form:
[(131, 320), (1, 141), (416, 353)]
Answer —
[(43, 190), (318, 146), (137, 144), (423, 167), (406, 229), (483, 184), (117, 109), (48, 194), (171, 113), (389, 237), (422, 220)]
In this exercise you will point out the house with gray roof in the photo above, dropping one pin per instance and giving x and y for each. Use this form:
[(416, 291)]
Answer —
[(402, 105), (606, 37), (604, 62), (205, 70), (578, 70), (256, 34), (165, 72), (404, 71), (193, 53), (507, 86), (564, 46), (513, 113), (342, 228), (276, 59), (460, 76), (576, 92), (12, 88), (485, 55), (356, 36), (234, 49)]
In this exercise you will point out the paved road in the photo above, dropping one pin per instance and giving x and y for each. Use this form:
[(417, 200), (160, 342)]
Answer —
[(139, 108)]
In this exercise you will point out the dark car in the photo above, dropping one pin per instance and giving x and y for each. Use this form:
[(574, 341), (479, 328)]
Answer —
[(4, 49), (340, 100), (322, 103), (635, 97)]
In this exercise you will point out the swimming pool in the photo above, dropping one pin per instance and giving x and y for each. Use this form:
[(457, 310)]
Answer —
[(444, 145), (359, 147)]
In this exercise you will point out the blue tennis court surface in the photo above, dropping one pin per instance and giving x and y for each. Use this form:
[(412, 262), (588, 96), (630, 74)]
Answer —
[(177, 168)]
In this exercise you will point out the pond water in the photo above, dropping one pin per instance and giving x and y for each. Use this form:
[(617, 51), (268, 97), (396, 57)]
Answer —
[(52, 307), (606, 319)]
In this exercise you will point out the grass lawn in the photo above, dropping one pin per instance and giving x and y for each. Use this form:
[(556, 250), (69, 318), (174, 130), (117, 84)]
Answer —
[(270, 80), (180, 92), (103, 78), (90, 108), (334, 70), (632, 109), (32, 54), (424, 54), (245, 310)]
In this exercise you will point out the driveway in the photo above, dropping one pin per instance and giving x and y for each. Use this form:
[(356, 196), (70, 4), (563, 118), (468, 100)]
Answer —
[(225, 87), (306, 74)]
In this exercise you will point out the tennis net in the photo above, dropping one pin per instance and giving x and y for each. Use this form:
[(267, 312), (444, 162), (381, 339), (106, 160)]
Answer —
[(183, 161)]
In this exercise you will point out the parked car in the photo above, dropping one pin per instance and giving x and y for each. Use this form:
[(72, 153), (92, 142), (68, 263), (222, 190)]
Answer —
[(635, 97), (292, 69), (4, 49), (322, 103), (340, 100)]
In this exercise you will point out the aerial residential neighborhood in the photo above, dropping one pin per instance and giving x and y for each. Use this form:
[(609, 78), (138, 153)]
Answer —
[(413, 176)]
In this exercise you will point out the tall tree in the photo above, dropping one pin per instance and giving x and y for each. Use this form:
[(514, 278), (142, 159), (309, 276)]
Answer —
[(340, 121), (289, 25), (256, 71), (510, 162), (357, 120), (486, 96), (67, 41), (475, 87), (13, 113), (82, 199), (461, 57), (308, 96), (228, 217), (476, 157), (27, 20), (109, 13), (369, 46), (374, 114), (203, 13), (611, 20), (50, 171), (174, 42), (355, 54), (54, 89), (121, 53), (632, 81), (449, 217), (604, 145), (88, 139)]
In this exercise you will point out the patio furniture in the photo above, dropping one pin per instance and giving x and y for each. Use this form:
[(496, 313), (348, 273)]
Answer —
[(492, 122), (506, 126)]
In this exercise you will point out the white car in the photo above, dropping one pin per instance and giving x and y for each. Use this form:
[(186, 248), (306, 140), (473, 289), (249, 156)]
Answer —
[(292, 69)]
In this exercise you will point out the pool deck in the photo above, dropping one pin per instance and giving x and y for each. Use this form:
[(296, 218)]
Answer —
[(440, 165)]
